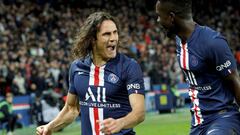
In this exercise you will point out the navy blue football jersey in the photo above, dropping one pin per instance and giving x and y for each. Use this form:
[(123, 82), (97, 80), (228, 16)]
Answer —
[(103, 91), (205, 59)]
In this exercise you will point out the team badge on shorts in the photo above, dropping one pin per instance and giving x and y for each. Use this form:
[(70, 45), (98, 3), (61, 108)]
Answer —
[(113, 78)]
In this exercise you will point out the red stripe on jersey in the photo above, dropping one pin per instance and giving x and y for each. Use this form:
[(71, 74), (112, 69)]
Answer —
[(195, 107), (96, 76), (198, 118), (96, 118), (184, 56)]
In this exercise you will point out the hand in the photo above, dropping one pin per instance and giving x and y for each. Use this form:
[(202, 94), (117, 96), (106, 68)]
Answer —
[(110, 126), (43, 130)]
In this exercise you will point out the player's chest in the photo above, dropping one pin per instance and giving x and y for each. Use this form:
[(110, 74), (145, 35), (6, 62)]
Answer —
[(191, 60), (97, 85)]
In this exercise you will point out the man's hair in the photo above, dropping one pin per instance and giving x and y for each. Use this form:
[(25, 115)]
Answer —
[(182, 8), (88, 33)]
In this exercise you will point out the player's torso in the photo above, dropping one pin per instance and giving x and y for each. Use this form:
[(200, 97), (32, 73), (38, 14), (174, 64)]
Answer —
[(197, 69), (207, 91), (100, 87), (102, 94)]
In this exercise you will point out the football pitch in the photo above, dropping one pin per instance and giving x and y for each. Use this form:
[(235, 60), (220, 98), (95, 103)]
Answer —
[(155, 124)]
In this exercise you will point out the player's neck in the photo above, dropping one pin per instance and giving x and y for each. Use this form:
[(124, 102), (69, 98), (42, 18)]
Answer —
[(98, 61), (186, 29)]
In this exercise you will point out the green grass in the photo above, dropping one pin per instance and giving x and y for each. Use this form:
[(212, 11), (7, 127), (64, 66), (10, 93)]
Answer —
[(164, 124)]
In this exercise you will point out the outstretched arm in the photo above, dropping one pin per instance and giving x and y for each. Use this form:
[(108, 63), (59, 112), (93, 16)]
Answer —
[(69, 113)]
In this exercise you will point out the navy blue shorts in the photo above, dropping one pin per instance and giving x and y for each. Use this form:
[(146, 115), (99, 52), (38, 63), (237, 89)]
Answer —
[(224, 125)]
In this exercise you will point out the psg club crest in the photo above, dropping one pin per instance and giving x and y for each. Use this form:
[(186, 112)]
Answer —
[(194, 61), (113, 78)]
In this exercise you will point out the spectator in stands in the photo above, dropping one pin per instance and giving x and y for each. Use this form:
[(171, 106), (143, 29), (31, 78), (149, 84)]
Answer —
[(37, 110), (7, 115), (41, 35)]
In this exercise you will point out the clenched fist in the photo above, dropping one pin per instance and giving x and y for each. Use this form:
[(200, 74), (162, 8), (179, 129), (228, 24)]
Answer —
[(110, 126), (43, 130)]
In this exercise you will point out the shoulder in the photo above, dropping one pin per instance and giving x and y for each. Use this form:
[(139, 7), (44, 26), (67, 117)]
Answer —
[(78, 64), (209, 36), (178, 41), (74, 64), (127, 61), (124, 64)]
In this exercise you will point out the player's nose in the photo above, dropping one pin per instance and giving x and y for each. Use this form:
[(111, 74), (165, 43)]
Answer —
[(113, 37)]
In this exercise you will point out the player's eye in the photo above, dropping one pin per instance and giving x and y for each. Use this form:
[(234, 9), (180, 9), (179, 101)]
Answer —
[(106, 34)]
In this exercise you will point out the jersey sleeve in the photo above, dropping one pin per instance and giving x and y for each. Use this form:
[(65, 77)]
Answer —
[(134, 83), (222, 57), (71, 88)]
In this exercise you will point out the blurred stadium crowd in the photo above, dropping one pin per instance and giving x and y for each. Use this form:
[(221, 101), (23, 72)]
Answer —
[(36, 39)]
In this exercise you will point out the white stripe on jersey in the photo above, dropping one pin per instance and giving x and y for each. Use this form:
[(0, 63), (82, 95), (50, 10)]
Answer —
[(184, 63), (190, 77), (92, 120), (198, 118), (187, 56), (91, 74), (101, 118), (101, 76), (184, 58), (194, 79), (181, 56), (94, 111)]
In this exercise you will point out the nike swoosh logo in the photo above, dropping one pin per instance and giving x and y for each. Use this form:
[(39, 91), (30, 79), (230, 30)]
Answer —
[(225, 116), (211, 131), (79, 73)]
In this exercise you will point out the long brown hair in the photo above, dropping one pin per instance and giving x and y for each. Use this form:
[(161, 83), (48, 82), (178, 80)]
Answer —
[(88, 33)]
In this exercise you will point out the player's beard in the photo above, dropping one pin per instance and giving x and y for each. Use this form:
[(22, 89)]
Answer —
[(171, 32)]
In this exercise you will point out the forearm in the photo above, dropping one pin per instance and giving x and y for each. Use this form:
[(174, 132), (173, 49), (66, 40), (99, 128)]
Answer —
[(64, 118), (237, 92), (236, 87), (132, 119), (233, 82)]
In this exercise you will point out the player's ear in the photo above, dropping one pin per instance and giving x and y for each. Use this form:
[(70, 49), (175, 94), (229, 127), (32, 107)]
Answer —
[(172, 15)]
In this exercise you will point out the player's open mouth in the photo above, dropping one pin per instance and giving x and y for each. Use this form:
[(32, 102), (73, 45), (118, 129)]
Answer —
[(111, 47)]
